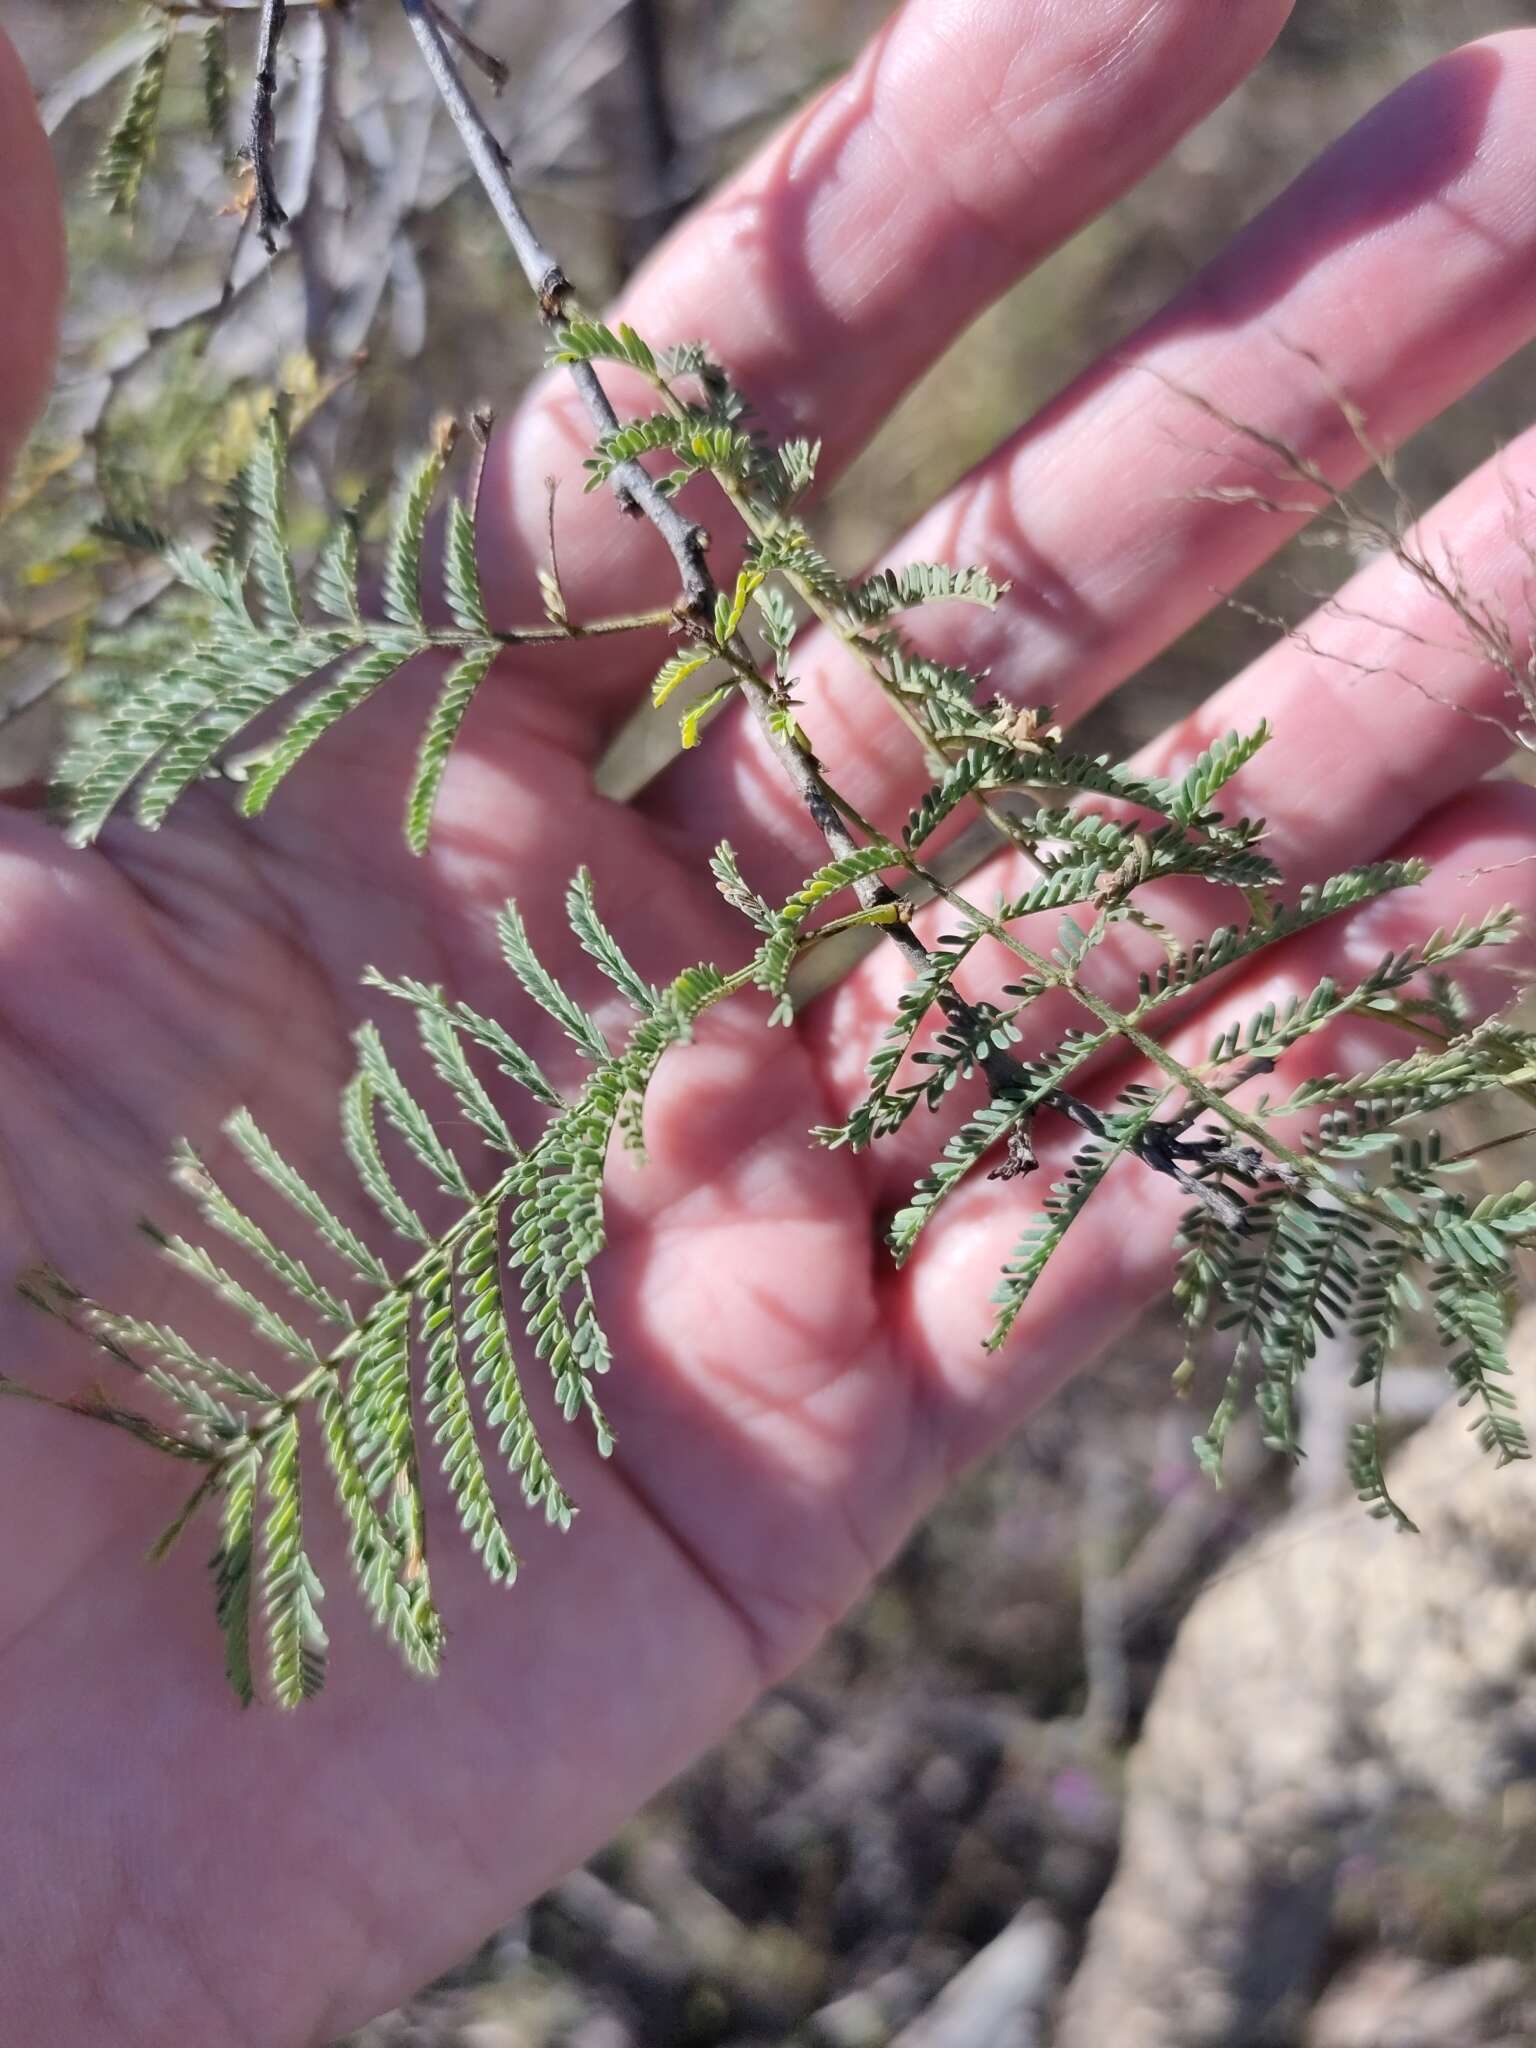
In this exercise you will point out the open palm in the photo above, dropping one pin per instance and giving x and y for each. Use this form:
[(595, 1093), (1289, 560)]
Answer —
[(785, 1404)]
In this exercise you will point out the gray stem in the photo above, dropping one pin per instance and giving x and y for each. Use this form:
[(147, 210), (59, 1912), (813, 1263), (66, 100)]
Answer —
[(637, 492)]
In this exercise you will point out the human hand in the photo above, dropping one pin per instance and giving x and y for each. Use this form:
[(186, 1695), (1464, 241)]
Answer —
[(786, 1405)]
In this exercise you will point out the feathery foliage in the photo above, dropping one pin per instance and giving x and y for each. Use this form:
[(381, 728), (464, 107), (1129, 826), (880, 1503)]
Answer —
[(408, 1325), (270, 634), (134, 134), (130, 141), (406, 1338)]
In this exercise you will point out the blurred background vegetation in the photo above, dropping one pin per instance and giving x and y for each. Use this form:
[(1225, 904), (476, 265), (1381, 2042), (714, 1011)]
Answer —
[(940, 1793)]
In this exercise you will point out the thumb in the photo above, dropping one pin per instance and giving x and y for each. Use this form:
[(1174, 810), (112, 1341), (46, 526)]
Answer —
[(31, 258)]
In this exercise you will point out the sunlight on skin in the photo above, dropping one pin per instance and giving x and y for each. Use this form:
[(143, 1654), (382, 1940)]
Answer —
[(1108, 478), (1373, 728), (800, 270), (786, 1405)]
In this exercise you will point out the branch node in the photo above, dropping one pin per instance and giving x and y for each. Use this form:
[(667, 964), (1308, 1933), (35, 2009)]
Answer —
[(553, 289)]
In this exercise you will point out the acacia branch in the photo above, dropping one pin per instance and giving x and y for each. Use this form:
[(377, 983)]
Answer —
[(1164, 1151)]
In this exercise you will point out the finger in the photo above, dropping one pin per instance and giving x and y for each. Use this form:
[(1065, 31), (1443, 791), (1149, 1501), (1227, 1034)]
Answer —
[(1385, 707), (967, 142), (1401, 262), (31, 258), (1118, 1256)]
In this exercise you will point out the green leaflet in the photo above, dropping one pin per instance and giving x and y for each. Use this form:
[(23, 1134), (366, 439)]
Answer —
[(1315, 904), (233, 1567), (1211, 771), (1471, 1298), (277, 1331), (424, 1341), (1272, 1030), (259, 650), (732, 886), (357, 682), (470, 1023), (776, 955), (975, 1137), (264, 490), (404, 599), (289, 1271), (453, 700), (447, 1403), (488, 1333), (1314, 1281), (676, 670), (555, 1001), (637, 437), (1369, 1480), (291, 1591), (411, 1120), (217, 92), (587, 341), (916, 583), (600, 945), (988, 764), (886, 1108), (445, 1048), (461, 574), (1063, 1205), (361, 1138), (131, 139), (263, 1157)]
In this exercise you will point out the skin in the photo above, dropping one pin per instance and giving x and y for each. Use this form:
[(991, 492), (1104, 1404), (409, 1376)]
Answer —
[(786, 1405)]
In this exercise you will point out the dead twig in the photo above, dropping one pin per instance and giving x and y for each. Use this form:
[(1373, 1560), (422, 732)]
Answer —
[(270, 215)]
